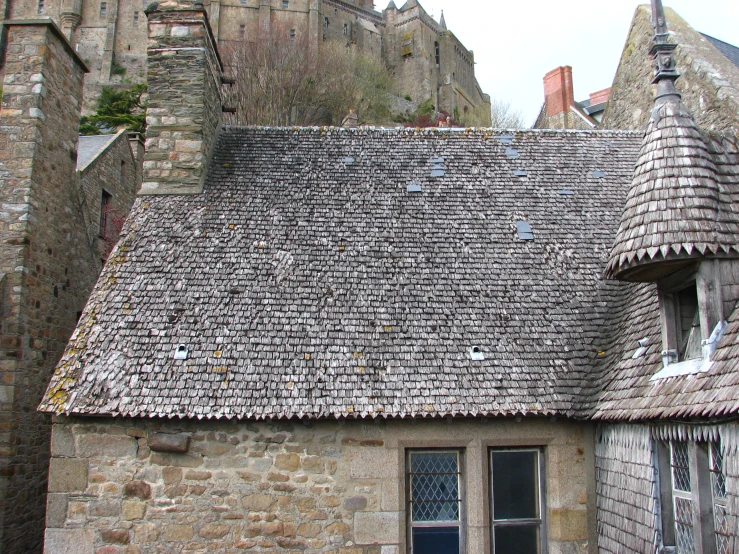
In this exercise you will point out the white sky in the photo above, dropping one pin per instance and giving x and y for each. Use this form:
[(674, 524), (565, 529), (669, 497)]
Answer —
[(517, 43)]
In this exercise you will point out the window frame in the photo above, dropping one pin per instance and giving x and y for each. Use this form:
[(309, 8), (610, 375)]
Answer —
[(461, 480), (541, 521), (103, 9), (702, 495)]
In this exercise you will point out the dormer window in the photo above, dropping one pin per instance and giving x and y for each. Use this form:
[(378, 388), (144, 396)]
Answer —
[(691, 319)]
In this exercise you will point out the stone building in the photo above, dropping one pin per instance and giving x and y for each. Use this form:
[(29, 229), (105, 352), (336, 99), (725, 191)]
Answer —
[(365, 341), (427, 60), (50, 258), (710, 77)]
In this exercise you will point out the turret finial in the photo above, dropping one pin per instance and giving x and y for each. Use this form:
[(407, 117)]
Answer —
[(665, 67)]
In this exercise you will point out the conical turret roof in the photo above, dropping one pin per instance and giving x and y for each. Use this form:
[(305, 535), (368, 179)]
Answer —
[(677, 208)]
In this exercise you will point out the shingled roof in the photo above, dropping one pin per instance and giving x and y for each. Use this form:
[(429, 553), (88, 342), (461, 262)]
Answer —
[(307, 280), (683, 201)]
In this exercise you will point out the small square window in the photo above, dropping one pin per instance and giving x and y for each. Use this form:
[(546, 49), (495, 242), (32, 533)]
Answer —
[(435, 504), (292, 34), (243, 2), (515, 482), (285, 4), (103, 9)]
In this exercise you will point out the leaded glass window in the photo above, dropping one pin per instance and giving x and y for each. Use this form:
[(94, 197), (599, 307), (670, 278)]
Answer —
[(435, 499), (516, 488), (720, 507)]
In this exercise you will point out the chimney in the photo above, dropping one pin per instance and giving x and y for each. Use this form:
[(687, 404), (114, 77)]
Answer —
[(183, 117), (558, 91), (600, 96)]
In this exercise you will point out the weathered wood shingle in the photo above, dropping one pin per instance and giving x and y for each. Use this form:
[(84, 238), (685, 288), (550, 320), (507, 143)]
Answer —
[(304, 284)]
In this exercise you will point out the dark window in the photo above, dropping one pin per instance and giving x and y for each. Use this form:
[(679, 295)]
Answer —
[(435, 501), (135, 21), (689, 327), (41, 6), (292, 34), (438, 53), (516, 501), (103, 9), (346, 29), (325, 22), (285, 4), (242, 32), (105, 209)]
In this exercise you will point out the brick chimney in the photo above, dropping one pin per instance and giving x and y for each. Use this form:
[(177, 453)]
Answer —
[(558, 91), (185, 104), (600, 96)]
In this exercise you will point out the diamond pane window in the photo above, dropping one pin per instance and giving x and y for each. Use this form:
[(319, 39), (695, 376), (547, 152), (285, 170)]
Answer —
[(718, 478), (684, 526), (680, 466), (435, 502)]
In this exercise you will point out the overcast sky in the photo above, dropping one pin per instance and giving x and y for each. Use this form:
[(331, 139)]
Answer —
[(516, 43)]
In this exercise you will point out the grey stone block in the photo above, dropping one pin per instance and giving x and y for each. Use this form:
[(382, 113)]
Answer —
[(62, 442), (377, 527), (56, 510), (68, 541), (99, 445), (161, 442), (67, 475)]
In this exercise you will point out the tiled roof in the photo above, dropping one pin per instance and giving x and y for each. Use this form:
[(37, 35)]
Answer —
[(90, 146), (684, 198), (306, 280), (728, 50)]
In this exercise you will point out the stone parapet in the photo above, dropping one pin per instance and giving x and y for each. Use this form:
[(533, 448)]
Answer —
[(185, 103)]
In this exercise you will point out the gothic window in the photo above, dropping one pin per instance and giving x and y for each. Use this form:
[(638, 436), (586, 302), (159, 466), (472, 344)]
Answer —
[(103, 9), (516, 508), (435, 502)]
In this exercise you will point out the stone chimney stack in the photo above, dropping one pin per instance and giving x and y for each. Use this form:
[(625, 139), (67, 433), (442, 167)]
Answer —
[(185, 104), (558, 91)]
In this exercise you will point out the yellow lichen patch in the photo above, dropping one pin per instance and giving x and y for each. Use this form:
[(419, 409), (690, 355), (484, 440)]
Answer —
[(387, 328), (219, 369), (358, 354), (429, 408), (306, 356), (361, 369), (341, 248), (289, 385), (350, 409), (217, 354)]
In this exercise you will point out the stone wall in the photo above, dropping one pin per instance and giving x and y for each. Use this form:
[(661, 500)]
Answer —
[(329, 487), (115, 171), (48, 264), (185, 104), (709, 83), (113, 44)]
